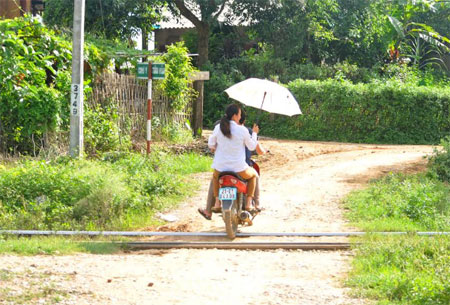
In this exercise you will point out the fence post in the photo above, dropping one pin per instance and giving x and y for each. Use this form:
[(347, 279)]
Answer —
[(149, 107)]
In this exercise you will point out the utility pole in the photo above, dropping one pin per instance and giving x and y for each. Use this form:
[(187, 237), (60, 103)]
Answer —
[(76, 95)]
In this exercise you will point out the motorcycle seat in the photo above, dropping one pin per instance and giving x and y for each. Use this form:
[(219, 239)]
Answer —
[(232, 174)]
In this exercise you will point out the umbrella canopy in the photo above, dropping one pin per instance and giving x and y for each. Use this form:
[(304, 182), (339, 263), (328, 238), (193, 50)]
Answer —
[(265, 95)]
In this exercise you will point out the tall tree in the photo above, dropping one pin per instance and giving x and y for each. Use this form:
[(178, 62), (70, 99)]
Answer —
[(112, 19), (202, 13)]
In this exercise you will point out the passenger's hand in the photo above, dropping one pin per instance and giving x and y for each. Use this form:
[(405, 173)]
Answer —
[(260, 149), (255, 128)]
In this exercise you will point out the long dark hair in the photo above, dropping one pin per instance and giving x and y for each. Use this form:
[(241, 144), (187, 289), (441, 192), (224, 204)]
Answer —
[(225, 121)]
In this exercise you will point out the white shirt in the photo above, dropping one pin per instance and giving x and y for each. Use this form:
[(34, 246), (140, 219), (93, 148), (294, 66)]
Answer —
[(230, 152)]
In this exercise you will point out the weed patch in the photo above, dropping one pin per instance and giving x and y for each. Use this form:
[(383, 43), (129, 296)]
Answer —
[(404, 269), (120, 191), (404, 203)]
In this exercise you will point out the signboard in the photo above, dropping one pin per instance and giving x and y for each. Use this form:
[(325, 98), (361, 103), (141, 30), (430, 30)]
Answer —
[(142, 70), (75, 99), (158, 71), (199, 75)]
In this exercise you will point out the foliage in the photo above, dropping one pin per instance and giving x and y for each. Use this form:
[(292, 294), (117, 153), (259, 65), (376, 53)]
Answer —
[(121, 191), (33, 72), (111, 19), (440, 161), (379, 112), (419, 43), (202, 14), (176, 84), (403, 270), (172, 132), (102, 132), (399, 203)]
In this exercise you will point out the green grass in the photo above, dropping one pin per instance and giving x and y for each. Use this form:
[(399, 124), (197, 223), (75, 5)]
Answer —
[(404, 269), (57, 245), (120, 191), (401, 203)]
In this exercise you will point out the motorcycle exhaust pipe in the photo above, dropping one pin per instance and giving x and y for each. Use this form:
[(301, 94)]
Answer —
[(245, 216)]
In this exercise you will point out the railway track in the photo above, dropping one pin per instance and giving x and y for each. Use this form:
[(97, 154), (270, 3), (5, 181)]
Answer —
[(236, 244)]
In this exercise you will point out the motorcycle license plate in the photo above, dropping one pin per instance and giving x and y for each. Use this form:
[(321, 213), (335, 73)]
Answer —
[(227, 193)]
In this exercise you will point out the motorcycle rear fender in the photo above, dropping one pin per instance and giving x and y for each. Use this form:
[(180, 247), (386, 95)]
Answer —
[(227, 204)]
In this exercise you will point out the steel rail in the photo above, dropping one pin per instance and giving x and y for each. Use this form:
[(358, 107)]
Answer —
[(237, 245), (210, 234)]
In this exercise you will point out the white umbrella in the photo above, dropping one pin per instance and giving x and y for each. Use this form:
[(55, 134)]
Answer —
[(265, 95)]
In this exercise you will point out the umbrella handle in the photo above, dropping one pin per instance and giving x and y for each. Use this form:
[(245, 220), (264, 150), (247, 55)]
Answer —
[(260, 109), (258, 118)]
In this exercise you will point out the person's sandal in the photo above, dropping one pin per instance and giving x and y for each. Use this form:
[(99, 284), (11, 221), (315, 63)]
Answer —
[(203, 213), (216, 209)]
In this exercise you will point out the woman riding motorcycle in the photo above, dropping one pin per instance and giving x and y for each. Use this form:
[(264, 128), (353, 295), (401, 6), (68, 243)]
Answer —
[(210, 201), (227, 141)]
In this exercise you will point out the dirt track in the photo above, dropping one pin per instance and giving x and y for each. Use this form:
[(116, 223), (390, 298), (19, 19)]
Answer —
[(302, 184)]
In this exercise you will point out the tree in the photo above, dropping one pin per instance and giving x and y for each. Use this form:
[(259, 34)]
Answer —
[(202, 13), (111, 19)]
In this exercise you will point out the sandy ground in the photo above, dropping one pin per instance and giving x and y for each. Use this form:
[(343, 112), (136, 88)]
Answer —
[(302, 185)]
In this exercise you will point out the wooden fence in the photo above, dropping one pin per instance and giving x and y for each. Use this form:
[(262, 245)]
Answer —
[(129, 95)]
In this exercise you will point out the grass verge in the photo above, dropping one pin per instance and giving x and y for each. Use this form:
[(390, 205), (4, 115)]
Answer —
[(404, 269), (58, 245), (118, 192)]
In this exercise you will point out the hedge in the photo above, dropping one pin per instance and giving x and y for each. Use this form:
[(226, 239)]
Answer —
[(384, 112)]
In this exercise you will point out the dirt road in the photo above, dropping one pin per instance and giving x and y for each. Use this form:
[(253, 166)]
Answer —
[(302, 184)]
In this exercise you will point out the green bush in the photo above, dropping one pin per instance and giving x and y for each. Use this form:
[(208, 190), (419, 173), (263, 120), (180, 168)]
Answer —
[(439, 163), (380, 112), (405, 269), (31, 57), (102, 132), (35, 78), (118, 192), (399, 202), (176, 84)]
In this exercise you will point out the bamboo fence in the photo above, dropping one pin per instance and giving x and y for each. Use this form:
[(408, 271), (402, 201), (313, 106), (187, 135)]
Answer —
[(129, 95)]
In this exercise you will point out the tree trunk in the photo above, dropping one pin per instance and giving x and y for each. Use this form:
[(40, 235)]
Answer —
[(144, 40), (203, 41)]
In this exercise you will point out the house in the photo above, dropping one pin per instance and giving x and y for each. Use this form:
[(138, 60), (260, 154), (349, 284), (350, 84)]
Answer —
[(10, 9), (170, 30)]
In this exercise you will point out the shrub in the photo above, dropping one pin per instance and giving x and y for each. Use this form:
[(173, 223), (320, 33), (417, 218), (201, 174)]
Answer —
[(176, 84), (120, 191), (31, 57), (102, 132), (35, 77), (401, 203), (439, 163), (381, 112)]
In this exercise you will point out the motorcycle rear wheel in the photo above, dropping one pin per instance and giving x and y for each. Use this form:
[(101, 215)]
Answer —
[(231, 219)]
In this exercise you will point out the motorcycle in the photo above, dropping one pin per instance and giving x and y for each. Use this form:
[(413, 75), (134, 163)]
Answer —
[(233, 196)]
